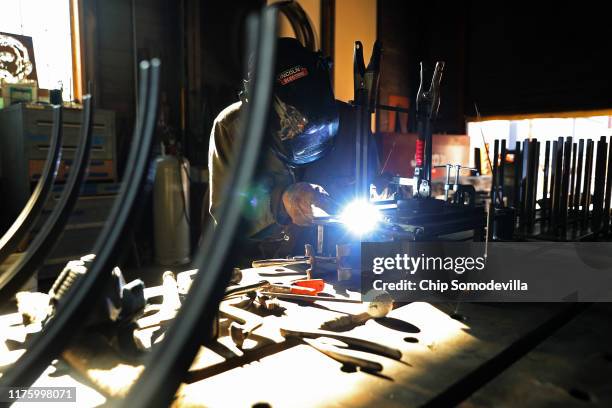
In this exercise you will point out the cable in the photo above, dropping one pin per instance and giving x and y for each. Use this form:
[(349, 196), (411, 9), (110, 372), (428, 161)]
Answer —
[(18, 274), (83, 296), (33, 207), (168, 363)]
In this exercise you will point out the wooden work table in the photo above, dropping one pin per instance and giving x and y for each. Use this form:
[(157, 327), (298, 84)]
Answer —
[(439, 352)]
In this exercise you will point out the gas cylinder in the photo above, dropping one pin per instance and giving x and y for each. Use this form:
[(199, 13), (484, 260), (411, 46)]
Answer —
[(171, 210)]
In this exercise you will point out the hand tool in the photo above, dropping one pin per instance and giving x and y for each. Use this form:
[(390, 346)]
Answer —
[(310, 298), (343, 356), (239, 290), (380, 305), (300, 287), (351, 342), (244, 322)]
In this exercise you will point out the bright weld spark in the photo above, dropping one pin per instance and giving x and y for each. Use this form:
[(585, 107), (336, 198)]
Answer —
[(360, 217)]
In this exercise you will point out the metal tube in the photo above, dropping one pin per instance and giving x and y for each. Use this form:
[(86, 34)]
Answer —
[(545, 199), (599, 182), (578, 179), (586, 190), (494, 175), (606, 214), (518, 161), (567, 151), (556, 196)]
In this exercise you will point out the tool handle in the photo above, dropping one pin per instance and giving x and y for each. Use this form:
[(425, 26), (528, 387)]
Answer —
[(344, 357), (354, 342), (276, 262), (240, 290)]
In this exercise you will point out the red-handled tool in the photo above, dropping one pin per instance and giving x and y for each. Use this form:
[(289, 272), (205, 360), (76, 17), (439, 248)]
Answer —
[(309, 287)]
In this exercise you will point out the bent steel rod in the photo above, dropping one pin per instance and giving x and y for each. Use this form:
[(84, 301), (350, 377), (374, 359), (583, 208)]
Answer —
[(83, 295), (32, 209), (168, 363), (18, 274)]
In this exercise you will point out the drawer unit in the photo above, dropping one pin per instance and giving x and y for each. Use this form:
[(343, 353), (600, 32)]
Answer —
[(25, 131)]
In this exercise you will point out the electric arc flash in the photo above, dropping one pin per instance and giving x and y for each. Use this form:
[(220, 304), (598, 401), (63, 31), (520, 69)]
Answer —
[(360, 217)]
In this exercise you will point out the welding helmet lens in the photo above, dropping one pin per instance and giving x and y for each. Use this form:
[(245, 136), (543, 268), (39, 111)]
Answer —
[(304, 120)]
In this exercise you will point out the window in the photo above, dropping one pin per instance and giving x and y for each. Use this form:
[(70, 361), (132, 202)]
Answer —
[(48, 23)]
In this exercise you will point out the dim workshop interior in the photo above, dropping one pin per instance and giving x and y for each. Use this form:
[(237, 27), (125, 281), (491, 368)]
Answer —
[(391, 203)]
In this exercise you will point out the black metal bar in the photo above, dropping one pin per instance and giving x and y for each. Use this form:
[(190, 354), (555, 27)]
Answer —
[(477, 161), (528, 177), (578, 180), (168, 363), (32, 209), (572, 180), (18, 274), (84, 293), (606, 214), (502, 161), (586, 189), (544, 211), (534, 185), (599, 184), (565, 183), (556, 193), (494, 180), (518, 169)]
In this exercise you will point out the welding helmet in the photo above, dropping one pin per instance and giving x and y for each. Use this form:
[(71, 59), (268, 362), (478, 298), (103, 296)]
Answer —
[(304, 118)]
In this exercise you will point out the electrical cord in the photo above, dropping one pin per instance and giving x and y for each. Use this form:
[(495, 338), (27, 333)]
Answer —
[(35, 204), (83, 295), (16, 276), (168, 363)]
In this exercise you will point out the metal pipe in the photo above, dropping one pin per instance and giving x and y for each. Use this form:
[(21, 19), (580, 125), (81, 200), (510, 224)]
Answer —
[(545, 200), (578, 180), (606, 215), (599, 184), (586, 190), (563, 202)]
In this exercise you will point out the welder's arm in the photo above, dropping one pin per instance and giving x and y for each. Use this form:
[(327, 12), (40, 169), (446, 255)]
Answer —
[(263, 201)]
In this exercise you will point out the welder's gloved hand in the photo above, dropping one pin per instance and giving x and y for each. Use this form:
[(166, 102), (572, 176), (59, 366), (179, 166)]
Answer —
[(299, 198)]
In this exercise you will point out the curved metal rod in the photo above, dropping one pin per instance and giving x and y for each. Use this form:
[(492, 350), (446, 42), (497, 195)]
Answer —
[(18, 274), (83, 295), (32, 209), (168, 363)]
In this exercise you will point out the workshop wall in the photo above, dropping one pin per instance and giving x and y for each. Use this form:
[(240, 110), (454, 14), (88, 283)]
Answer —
[(118, 34)]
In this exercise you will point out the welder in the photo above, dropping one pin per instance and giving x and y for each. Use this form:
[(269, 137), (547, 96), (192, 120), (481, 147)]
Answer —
[(303, 125)]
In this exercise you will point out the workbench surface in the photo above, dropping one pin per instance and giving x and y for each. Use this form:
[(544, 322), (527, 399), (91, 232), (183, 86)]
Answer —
[(439, 351)]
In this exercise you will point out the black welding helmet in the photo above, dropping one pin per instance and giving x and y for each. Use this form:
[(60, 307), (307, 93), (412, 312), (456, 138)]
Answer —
[(304, 119)]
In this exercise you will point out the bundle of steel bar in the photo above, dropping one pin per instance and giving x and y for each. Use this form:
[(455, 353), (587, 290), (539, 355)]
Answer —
[(570, 203)]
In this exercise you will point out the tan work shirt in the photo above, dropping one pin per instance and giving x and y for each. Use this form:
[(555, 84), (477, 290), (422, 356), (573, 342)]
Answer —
[(263, 199)]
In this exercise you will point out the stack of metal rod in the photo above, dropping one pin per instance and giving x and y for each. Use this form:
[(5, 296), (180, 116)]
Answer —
[(573, 203)]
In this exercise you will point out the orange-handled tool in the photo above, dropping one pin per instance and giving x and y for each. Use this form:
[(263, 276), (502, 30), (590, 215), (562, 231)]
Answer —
[(313, 286), (300, 287)]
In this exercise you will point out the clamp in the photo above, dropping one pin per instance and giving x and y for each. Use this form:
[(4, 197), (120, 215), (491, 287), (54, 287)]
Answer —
[(427, 105)]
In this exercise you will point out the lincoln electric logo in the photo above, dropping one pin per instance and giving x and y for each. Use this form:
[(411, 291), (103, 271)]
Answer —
[(292, 74)]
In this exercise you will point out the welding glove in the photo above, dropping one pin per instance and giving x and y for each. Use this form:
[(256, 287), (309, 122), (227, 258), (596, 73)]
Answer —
[(299, 198)]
